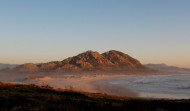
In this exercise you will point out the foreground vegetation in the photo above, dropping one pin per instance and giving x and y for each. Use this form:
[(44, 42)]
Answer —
[(19, 97)]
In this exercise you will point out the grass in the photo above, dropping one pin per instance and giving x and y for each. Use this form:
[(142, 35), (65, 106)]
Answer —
[(19, 97)]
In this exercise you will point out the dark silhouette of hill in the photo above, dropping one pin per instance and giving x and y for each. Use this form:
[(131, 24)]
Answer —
[(88, 61), (20, 97), (164, 67)]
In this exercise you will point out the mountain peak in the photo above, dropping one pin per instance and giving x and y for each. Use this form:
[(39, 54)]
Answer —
[(88, 61), (90, 54), (122, 59), (90, 51), (115, 52)]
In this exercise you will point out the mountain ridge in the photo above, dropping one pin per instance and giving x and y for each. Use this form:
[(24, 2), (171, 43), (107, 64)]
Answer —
[(164, 67), (5, 66), (88, 61)]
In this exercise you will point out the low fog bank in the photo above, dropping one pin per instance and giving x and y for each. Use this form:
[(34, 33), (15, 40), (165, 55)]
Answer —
[(107, 88), (96, 82), (25, 77), (83, 82), (17, 77)]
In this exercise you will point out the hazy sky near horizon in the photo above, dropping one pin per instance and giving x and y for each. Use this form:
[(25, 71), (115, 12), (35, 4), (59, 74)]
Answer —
[(152, 31)]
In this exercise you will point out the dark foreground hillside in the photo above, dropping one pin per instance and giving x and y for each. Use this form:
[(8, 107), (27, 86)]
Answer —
[(17, 97)]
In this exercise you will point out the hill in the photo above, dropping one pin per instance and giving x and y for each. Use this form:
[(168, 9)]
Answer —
[(88, 61), (18, 97), (164, 67), (4, 66)]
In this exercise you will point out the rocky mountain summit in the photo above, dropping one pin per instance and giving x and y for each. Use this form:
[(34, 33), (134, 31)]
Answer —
[(88, 61)]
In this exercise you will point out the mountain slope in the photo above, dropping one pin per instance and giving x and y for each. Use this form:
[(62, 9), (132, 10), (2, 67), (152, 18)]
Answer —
[(88, 61)]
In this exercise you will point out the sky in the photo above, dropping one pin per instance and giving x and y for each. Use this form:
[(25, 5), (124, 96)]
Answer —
[(152, 31)]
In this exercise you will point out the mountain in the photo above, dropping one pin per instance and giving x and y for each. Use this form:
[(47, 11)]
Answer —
[(164, 67), (5, 66), (88, 61)]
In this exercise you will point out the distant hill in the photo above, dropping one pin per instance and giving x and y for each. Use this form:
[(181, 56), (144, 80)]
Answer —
[(164, 67), (4, 66), (88, 61)]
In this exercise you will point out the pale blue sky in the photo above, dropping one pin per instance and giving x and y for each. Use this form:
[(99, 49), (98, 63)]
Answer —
[(153, 31)]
